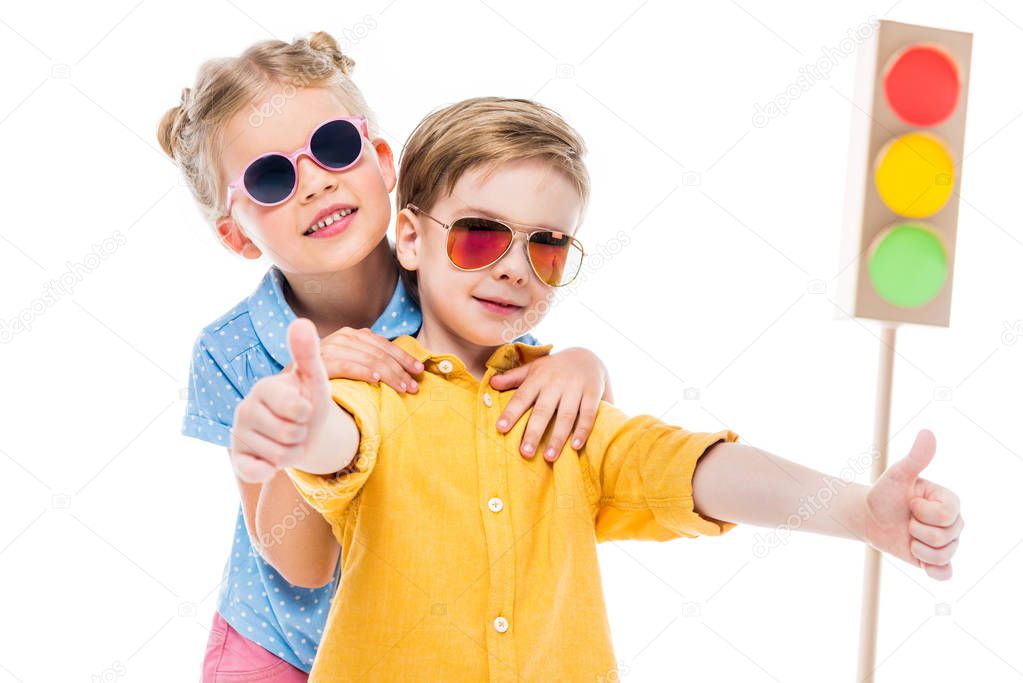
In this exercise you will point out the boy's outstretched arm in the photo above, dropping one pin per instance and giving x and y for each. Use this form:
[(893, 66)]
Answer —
[(901, 514)]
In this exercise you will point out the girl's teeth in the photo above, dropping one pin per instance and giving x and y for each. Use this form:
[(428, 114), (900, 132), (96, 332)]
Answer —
[(329, 220)]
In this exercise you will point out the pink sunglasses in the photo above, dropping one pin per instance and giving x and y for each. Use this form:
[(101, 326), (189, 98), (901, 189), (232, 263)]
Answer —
[(271, 179)]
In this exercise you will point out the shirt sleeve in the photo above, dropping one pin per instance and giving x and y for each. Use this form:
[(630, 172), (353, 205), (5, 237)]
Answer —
[(639, 477), (334, 495), (212, 397)]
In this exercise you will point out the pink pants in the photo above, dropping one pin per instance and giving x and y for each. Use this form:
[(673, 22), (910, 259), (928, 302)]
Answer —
[(233, 658)]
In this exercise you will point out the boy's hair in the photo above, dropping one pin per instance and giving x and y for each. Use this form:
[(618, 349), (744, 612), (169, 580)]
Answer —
[(487, 132), (192, 133)]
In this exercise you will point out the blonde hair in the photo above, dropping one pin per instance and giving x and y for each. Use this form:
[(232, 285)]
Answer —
[(483, 132), (191, 133)]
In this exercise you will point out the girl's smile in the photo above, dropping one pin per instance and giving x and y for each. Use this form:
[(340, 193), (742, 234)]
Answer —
[(330, 221)]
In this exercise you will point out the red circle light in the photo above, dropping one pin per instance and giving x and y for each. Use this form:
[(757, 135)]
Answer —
[(921, 84)]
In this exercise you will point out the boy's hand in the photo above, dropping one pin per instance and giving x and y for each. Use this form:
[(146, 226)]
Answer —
[(279, 417), (570, 383), (912, 518), (364, 355)]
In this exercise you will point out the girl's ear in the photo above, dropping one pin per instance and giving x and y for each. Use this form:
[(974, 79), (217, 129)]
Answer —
[(385, 158), (235, 239), (407, 243)]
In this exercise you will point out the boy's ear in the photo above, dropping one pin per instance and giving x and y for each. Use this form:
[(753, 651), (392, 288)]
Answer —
[(385, 157), (235, 239), (406, 240)]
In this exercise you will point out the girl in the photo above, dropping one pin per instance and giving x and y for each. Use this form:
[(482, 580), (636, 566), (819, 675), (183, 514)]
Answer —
[(280, 151), (506, 585)]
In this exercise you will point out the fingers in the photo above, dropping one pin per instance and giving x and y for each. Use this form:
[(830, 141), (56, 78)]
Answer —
[(567, 409), (928, 490), (941, 573), (404, 358), (344, 367), (281, 397), (584, 423), (538, 421), (941, 513), (935, 536), (931, 555), (367, 363), (253, 444), (259, 418), (517, 407), (269, 428), (406, 364), (511, 379), (252, 470), (364, 355)]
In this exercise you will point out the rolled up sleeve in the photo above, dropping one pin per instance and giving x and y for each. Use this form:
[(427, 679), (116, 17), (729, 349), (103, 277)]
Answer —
[(335, 495), (639, 476)]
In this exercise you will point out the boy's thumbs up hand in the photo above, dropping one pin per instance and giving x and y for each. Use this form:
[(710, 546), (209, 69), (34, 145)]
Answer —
[(282, 413), (306, 364), (912, 518)]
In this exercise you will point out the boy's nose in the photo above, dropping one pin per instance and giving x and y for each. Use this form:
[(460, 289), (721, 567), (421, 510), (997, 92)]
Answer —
[(514, 267), (314, 180)]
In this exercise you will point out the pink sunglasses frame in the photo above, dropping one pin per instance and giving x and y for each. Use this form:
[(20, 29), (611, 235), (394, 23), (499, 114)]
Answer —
[(359, 122)]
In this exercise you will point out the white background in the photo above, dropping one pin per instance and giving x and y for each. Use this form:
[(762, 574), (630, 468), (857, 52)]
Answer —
[(114, 528)]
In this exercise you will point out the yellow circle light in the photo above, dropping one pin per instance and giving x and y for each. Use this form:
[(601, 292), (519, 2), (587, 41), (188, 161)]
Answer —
[(914, 175)]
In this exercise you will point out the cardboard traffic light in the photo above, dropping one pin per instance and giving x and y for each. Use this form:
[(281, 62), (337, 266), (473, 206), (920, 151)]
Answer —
[(898, 247)]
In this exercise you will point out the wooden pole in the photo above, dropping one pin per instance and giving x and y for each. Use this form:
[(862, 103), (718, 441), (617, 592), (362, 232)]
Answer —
[(872, 558)]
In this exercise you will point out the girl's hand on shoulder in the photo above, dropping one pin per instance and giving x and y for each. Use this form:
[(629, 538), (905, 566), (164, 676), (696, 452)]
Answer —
[(565, 387), (364, 355)]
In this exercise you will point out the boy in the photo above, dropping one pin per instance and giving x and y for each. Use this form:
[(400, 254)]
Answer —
[(460, 560)]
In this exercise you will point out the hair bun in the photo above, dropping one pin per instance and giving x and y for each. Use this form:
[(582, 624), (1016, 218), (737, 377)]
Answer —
[(321, 41), (169, 131)]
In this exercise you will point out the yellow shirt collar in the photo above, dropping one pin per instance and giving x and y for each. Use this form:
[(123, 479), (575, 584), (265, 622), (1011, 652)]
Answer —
[(504, 358)]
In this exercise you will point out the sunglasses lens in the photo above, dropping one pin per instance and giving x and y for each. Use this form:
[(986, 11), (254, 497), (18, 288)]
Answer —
[(477, 242), (337, 144), (555, 256), (270, 179)]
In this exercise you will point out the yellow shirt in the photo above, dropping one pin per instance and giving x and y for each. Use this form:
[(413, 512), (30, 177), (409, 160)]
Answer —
[(463, 561)]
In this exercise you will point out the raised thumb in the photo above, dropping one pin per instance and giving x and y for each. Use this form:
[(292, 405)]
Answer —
[(304, 345), (920, 456)]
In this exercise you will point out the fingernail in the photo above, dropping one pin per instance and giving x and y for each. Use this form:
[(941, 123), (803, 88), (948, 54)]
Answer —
[(577, 444), (376, 376), (527, 448), (414, 385), (549, 453), (419, 365), (502, 424), (403, 386)]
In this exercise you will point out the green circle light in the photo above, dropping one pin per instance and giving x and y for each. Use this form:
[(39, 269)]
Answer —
[(908, 265)]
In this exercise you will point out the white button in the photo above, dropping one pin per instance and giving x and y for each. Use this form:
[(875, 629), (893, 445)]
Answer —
[(495, 504), (487, 400), (500, 624), (445, 366)]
